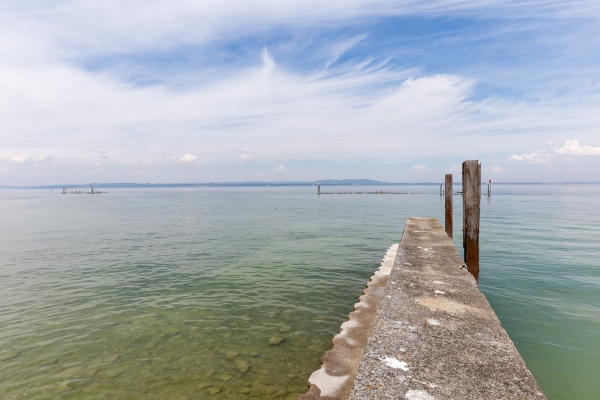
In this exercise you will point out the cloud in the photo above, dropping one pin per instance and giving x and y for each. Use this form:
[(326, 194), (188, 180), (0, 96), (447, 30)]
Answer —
[(258, 174), (26, 159), (452, 169), (572, 148), (497, 169), (188, 158), (532, 158), (420, 168), (93, 149), (20, 159), (245, 157), (280, 168)]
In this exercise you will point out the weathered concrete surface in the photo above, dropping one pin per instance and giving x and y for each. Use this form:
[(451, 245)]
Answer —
[(339, 365), (435, 335)]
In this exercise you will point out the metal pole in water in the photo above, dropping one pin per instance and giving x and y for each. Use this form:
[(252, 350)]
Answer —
[(471, 177), (448, 202)]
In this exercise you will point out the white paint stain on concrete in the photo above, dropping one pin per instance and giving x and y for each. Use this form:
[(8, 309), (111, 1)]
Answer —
[(439, 282), (328, 384), (393, 362), (418, 395), (438, 292), (433, 321)]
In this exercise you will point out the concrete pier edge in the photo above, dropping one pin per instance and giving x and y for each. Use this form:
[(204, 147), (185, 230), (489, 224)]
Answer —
[(422, 331), (339, 365)]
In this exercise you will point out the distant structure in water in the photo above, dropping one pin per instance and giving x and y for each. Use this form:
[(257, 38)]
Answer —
[(64, 191)]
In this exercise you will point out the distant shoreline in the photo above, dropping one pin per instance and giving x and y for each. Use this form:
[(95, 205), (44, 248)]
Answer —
[(326, 182)]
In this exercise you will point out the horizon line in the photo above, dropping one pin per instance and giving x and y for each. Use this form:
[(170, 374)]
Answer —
[(325, 182)]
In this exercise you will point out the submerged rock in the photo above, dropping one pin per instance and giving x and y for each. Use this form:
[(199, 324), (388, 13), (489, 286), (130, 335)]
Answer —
[(63, 387), (10, 356), (242, 365), (213, 390), (110, 359), (276, 341), (225, 377)]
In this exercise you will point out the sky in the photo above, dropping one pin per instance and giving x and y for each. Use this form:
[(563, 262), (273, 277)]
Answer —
[(175, 91)]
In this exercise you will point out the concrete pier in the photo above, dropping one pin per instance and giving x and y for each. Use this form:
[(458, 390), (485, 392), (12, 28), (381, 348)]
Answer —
[(431, 335)]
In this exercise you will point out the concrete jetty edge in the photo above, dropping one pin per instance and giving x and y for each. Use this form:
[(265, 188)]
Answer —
[(339, 365), (430, 333)]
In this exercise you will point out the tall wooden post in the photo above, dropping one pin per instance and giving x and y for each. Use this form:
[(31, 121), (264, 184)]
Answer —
[(440, 189), (448, 202), (319, 188), (471, 180)]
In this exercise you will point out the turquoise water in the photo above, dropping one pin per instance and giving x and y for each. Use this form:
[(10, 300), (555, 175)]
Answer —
[(235, 292)]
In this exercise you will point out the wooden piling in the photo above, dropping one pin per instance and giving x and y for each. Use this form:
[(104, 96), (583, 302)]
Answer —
[(441, 190), (319, 188), (448, 190), (471, 180)]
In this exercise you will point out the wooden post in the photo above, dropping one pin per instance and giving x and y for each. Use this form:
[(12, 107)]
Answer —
[(440, 189), (471, 179), (448, 190), (319, 188)]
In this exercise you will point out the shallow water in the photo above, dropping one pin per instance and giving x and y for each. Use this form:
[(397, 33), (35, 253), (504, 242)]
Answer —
[(235, 292)]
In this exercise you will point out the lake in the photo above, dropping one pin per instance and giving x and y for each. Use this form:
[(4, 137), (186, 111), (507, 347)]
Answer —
[(191, 293)]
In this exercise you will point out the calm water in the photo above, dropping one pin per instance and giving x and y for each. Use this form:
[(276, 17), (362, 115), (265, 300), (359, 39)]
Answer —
[(235, 292)]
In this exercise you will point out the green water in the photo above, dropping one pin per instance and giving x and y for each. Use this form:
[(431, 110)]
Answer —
[(235, 293)]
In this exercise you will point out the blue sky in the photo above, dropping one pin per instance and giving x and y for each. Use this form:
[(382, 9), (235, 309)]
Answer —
[(402, 91)]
